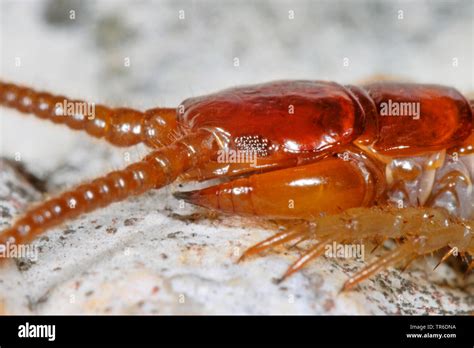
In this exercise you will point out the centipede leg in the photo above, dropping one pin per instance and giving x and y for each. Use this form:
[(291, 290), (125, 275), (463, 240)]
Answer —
[(445, 257), (409, 262), (277, 239), (469, 269), (314, 252), (389, 259)]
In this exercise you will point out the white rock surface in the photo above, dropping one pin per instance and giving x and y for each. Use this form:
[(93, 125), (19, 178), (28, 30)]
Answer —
[(137, 256)]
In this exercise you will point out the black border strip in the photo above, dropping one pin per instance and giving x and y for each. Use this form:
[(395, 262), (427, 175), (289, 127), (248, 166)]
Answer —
[(261, 330)]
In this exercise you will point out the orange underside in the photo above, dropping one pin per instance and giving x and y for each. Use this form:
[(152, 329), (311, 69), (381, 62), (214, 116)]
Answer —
[(328, 186)]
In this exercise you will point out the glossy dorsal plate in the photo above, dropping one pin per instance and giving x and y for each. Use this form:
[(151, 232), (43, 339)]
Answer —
[(293, 116)]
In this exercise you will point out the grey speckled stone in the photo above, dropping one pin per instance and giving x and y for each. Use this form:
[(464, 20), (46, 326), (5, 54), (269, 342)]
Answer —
[(139, 257), (136, 256)]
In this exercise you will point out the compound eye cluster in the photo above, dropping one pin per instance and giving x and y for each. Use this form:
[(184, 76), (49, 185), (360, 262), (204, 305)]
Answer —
[(254, 144)]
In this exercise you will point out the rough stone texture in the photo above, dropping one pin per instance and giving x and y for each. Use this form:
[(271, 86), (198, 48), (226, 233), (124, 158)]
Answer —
[(138, 256)]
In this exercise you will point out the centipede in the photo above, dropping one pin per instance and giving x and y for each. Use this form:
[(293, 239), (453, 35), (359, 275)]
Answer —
[(332, 163)]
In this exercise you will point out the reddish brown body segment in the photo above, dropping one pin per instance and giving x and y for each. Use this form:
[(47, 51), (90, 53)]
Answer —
[(314, 116), (298, 130), (293, 116), (445, 118)]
